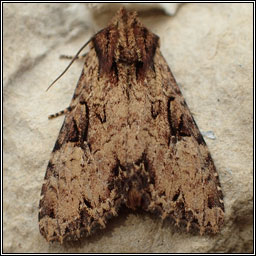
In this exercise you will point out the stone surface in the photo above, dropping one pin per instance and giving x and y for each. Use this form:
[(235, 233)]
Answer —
[(208, 48)]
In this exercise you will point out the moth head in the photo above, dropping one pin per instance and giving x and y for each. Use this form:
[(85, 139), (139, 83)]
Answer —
[(125, 40)]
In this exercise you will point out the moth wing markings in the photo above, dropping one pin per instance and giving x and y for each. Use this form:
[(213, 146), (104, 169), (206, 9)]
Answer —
[(186, 186), (72, 201)]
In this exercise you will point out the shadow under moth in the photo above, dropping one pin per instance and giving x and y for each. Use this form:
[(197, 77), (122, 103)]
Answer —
[(128, 138)]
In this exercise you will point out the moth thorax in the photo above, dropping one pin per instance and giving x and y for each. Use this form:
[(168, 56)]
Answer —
[(128, 54)]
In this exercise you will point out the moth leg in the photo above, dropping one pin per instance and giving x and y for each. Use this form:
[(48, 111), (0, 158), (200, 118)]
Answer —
[(62, 112), (70, 57)]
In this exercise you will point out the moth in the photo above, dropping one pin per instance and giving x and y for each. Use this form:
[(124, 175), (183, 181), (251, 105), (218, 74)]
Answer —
[(128, 139)]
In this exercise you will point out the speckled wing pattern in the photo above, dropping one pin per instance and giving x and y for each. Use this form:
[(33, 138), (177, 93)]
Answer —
[(129, 139)]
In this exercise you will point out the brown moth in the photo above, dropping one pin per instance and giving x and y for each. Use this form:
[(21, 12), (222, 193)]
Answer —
[(128, 138)]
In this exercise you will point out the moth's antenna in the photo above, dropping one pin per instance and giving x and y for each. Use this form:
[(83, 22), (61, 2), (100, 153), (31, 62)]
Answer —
[(71, 62)]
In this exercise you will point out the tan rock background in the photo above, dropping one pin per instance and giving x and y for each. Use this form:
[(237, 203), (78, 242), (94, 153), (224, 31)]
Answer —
[(209, 49)]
